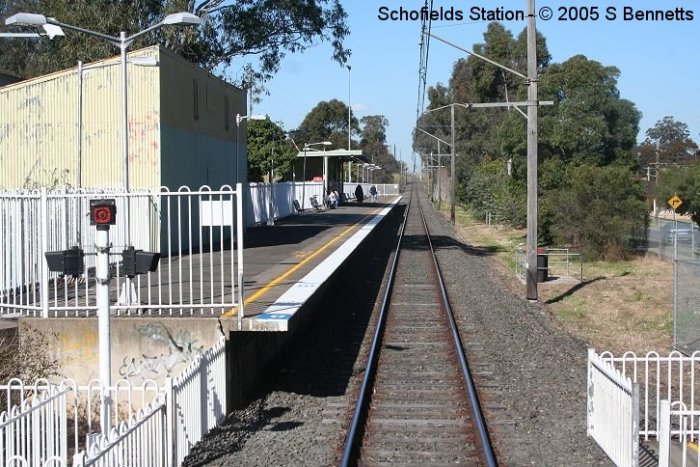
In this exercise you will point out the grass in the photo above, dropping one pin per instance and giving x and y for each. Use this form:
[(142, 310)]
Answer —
[(619, 306)]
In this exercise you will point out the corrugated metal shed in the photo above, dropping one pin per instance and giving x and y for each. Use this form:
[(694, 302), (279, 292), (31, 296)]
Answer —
[(171, 142)]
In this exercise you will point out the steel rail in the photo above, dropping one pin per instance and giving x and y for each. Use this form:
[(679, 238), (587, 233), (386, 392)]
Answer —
[(367, 381), (466, 373)]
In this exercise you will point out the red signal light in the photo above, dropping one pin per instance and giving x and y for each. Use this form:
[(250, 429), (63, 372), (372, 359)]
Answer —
[(103, 212)]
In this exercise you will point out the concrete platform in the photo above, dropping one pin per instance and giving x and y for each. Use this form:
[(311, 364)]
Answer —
[(285, 264)]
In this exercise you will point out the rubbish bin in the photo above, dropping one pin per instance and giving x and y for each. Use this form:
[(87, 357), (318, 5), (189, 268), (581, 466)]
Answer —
[(542, 265)]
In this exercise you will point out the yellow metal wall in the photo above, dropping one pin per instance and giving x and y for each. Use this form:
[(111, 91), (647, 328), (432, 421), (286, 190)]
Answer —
[(39, 127), (182, 127)]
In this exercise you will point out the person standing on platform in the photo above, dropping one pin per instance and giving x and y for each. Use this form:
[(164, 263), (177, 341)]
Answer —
[(332, 199), (359, 194), (373, 193)]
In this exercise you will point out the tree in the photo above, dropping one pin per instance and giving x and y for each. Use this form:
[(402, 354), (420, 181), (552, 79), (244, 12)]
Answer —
[(668, 142), (264, 29), (267, 144), (598, 210), (589, 125), (327, 121), (684, 182), (373, 144)]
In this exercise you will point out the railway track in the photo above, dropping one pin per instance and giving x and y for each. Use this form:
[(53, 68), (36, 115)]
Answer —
[(417, 403)]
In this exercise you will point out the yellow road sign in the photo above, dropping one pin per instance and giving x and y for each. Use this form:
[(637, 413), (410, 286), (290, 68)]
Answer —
[(675, 202)]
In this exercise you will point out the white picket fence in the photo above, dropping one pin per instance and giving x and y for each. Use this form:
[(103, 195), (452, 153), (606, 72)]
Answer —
[(153, 425), (612, 411), (643, 385), (199, 235)]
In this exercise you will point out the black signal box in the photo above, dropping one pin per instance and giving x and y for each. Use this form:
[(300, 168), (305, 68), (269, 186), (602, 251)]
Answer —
[(68, 262), (138, 261)]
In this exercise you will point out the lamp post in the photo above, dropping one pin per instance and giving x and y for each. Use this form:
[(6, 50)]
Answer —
[(303, 170), (123, 42)]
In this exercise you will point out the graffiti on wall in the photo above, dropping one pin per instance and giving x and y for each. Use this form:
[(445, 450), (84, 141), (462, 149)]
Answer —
[(181, 348)]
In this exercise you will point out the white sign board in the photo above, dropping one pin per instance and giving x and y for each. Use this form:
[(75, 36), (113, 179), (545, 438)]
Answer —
[(216, 213)]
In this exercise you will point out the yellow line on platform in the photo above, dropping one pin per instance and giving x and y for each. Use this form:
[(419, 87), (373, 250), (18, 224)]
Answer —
[(264, 289)]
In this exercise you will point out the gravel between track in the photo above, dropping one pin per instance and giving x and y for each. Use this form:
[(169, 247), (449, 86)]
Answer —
[(535, 372)]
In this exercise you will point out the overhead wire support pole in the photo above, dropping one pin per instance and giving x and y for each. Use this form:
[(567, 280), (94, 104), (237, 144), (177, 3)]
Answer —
[(453, 198), (532, 135), (531, 260)]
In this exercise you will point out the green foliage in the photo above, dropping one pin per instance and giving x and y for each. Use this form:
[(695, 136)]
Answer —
[(267, 144), (490, 189), (373, 145), (327, 121), (684, 182), (264, 29), (589, 122), (589, 125), (668, 142), (597, 210)]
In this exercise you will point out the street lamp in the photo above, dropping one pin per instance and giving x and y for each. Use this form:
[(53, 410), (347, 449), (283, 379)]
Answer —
[(303, 170), (50, 31), (123, 42)]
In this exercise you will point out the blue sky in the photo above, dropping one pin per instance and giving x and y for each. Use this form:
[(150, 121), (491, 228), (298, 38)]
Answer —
[(658, 62)]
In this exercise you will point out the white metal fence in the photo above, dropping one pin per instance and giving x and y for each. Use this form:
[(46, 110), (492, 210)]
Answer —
[(277, 200), (551, 263), (383, 189), (153, 425), (674, 378), (139, 442), (195, 232), (612, 411), (199, 399), (35, 431)]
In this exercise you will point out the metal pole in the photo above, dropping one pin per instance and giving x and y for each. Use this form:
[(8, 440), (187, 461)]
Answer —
[(438, 175), (303, 182), (80, 125), (431, 178), (349, 141), (271, 205), (325, 172), (102, 298), (239, 253), (531, 275), (238, 142), (452, 167), (80, 150), (675, 278), (125, 133)]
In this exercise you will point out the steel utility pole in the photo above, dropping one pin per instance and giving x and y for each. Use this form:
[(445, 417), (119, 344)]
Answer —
[(531, 258), (532, 104), (453, 199)]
